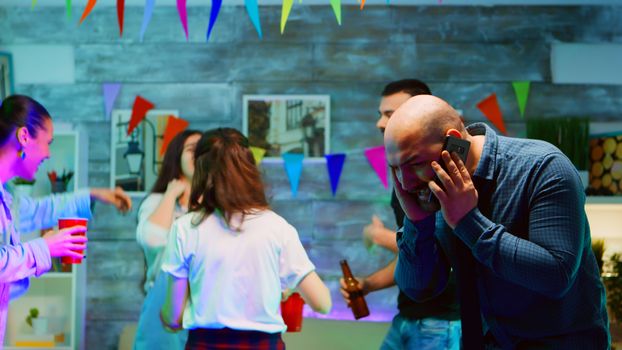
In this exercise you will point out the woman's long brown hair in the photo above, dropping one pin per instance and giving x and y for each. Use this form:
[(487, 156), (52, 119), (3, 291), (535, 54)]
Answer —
[(226, 178)]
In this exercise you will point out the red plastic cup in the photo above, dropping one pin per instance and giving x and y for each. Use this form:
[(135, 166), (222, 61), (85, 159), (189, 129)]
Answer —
[(291, 310), (71, 222)]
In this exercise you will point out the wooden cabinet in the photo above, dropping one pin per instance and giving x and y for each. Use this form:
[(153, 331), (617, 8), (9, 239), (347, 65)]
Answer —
[(59, 295)]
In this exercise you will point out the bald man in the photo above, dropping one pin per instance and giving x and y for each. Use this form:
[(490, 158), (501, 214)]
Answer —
[(516, 208)]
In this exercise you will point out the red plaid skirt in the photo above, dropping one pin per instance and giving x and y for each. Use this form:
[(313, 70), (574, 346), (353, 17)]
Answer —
[(231, 339)]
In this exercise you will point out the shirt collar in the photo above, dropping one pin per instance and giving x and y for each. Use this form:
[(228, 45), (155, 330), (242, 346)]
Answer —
[(487, 161)]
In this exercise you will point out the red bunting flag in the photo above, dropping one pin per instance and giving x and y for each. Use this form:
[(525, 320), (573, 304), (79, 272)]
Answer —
[(490, 107), (120, 15), (139, 111), (174, 126)]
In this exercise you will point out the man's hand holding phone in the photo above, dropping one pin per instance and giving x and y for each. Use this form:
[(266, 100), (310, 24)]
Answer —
[(458, 195)]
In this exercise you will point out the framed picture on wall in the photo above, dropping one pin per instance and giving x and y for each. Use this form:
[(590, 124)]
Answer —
[(6, 75), (135, 158), (288, 124)]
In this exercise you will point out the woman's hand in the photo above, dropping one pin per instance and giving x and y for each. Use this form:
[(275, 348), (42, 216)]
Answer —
[(116, 197), (177, 187), (66, 242)]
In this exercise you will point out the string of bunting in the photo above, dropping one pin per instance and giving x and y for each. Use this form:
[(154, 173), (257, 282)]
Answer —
[(293, 162), (252, 8)]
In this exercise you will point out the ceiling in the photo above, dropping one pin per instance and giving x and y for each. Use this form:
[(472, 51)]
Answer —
[(191, 3)]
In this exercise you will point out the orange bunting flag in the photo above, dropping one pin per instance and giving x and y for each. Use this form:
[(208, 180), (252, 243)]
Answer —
[(174, 126), (87, 10), (362, 4), (490, 108), (139, 111)]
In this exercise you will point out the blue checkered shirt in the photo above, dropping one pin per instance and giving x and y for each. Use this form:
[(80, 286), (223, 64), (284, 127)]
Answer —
[(537, 278)]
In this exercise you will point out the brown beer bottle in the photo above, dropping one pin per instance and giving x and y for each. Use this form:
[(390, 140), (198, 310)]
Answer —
[(357, 300)]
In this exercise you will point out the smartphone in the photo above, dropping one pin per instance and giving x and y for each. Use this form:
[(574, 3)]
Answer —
[(428, 201)]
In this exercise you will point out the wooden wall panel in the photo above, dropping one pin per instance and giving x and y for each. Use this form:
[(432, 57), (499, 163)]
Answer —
[(464, 53)]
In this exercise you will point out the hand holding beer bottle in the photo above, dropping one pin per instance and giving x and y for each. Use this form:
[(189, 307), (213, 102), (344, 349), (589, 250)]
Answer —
[(356, 295)]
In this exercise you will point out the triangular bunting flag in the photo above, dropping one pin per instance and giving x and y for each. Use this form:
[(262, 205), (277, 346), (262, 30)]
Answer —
[(213, 15), (120, 15), (111, 91), (33, 4), (183, 15), (334, 165), (68, 8), (253, 13), (285, 10), (293, 167), (378, 161), (336, 5), (149, 4), (139, 111), (490, 107), (521, 90), (87, 10), (362, 4), (258, 154), (174, 126)]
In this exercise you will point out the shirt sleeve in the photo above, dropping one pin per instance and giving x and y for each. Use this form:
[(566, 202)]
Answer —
[(174, 259), (24, 260), (548, 261), (421, 271), (44, 212), (294, 264), (148, 234)]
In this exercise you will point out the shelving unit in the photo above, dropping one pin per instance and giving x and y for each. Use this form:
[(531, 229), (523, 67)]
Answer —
[(59, 296)]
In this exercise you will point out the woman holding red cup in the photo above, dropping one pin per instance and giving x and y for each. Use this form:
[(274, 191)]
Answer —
[(26, 131)]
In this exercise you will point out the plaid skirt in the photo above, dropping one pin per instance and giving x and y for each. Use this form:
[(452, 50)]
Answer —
[(231, 339)]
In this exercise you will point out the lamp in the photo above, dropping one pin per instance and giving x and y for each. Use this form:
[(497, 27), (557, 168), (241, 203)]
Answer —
[(308, 126), (134, 156)]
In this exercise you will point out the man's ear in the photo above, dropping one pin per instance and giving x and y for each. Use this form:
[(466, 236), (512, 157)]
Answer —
[(454, 133), (22, 135)]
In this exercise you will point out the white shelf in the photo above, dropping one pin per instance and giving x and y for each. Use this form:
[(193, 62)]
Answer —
[(62, 347), (49, 275), (603, 200)]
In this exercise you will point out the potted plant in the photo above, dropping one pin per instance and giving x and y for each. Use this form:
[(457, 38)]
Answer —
[(23, 186), (38, 324), (569, 134), (613, 285)]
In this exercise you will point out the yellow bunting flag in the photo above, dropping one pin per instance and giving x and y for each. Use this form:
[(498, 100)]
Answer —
[(258, 154), (285, 10)]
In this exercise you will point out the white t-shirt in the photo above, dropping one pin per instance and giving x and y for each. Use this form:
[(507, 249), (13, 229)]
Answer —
[(236, 278), (151, 237)]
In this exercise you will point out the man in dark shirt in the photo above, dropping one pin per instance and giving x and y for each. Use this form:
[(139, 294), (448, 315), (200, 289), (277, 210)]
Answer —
[(433, 324), (515, 213)]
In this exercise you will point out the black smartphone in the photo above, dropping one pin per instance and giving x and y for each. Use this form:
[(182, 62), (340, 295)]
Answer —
[(459, 146), (456, 145)]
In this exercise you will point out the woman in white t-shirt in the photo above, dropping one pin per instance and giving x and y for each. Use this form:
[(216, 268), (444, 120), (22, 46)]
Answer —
[(167, 201), (230, 257)]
